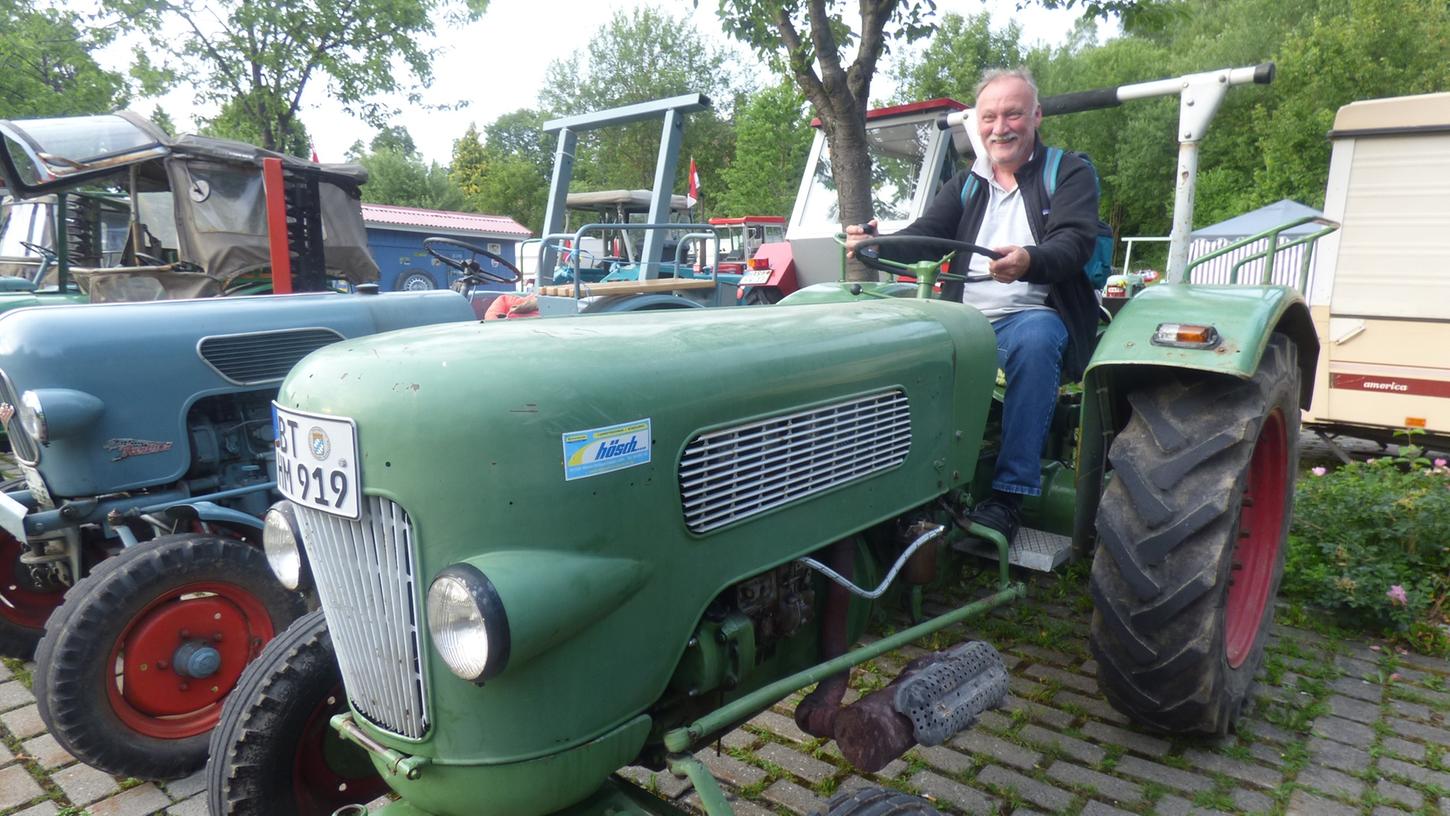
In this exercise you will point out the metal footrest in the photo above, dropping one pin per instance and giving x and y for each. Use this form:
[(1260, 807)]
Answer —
[(1032, 549)]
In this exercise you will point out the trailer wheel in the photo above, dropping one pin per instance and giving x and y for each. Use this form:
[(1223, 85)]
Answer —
[(1192, 530), (273, 749), (761, 296), (415, 282), (134, 666), (871, 801)]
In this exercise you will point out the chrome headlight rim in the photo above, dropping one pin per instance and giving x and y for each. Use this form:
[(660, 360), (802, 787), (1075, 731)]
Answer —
[(282, 545), (485, 598), (31, 414)]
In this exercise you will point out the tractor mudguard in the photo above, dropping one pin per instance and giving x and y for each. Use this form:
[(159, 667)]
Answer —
[(639, 303), (847, 292), (1245, 317), (213, 512)]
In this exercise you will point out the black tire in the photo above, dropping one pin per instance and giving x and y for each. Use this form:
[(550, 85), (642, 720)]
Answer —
[(273, 753), (876, 802), (415, 282), (1202, 460), (126, 621), (761, 296), (29, 605)]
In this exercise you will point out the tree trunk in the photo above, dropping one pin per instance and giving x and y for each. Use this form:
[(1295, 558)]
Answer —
[(851, 170)]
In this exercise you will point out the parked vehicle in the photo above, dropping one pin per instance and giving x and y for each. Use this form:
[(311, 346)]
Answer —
[(630, 556), (111, 208), (1379, 293), (131, 552)]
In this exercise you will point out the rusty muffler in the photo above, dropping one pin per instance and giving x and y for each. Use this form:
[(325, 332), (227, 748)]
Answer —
[(816, 714), (935, 697)]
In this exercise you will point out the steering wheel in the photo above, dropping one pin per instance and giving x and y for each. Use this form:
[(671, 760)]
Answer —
[(876, 262), (472, 270), (46, 253)]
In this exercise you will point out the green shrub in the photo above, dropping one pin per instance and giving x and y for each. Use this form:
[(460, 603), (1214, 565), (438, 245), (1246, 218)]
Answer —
[(1370, 541)]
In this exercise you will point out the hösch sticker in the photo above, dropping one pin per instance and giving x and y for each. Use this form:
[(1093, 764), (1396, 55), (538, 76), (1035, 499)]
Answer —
[(604, 450)]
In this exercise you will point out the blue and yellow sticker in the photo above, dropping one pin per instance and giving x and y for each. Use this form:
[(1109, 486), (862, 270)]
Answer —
[(604, 450)]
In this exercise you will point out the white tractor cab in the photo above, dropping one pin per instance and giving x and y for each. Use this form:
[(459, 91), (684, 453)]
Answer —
[(911, 155), (1380, 291)]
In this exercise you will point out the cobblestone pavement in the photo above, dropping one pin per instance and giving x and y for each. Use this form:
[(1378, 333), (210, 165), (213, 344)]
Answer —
[(1337, 727)]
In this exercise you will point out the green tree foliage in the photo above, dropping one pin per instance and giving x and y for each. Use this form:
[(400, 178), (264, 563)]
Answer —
[(642, 55), (509, 173), (398, 175), (805, 40), (772, 137), (258, 56), (236, 121), (46, 67), (954, 58)]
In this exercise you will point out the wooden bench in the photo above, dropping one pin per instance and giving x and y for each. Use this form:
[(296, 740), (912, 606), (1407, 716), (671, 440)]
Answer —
[(628, 287)]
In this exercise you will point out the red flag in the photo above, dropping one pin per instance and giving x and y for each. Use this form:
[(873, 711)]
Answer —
[(314, 151), (694, 180)]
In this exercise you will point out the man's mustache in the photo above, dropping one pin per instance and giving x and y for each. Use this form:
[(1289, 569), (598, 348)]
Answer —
[(1004, 139)]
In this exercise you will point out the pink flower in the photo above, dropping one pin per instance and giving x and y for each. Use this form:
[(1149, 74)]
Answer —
[(1318, 471), (1396, 594), (1395, 677), (1439, 463)]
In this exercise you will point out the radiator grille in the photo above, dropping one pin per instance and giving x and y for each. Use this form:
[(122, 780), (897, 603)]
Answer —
[(365, 579), (23, 445), (259, 357), (736, 473)]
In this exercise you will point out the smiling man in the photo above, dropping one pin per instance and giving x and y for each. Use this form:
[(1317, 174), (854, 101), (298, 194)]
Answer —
[(1037, 296)]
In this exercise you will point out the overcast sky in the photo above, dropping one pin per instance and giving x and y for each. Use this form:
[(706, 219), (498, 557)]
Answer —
[(498, 63)]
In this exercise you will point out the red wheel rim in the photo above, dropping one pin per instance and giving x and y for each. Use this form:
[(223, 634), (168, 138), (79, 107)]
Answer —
[(25, 607), (328, 772), (1261, 525), (147, 694)]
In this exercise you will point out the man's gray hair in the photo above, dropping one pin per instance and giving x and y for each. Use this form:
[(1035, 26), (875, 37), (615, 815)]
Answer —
[(1021, 72)]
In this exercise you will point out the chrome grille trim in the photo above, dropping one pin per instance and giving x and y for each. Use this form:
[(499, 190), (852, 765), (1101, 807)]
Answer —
[(732, 474), (259, 357), (365, 578), (22, 444)]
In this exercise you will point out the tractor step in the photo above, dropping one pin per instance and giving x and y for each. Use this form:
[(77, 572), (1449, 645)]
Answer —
[(1032, 549)]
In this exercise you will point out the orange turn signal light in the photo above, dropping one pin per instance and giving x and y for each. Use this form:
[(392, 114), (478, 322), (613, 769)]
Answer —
[(759, 263), (1185, 335)]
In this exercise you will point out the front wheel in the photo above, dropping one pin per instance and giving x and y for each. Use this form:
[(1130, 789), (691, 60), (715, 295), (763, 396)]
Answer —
[(872, 801), (273, 754), (1192, 533), (134, 666)]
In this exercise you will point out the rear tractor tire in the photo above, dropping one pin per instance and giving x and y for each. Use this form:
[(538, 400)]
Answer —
[(1192, 531), (273, 753)]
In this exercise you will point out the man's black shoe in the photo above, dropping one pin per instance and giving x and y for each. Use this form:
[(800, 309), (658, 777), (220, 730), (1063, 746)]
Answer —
[(999, 515)]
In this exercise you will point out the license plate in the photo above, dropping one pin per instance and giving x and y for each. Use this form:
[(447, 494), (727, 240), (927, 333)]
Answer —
[(755, 278), (317, 461)]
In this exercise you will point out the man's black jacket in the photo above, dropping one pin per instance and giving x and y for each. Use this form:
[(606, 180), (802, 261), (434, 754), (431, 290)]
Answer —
[(1064, 228)]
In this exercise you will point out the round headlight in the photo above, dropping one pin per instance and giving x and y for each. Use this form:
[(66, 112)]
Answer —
[(467, 622), (282, 543), (32, 417)]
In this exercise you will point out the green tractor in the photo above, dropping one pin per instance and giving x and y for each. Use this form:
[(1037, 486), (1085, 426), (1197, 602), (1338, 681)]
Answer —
[(617, 559)]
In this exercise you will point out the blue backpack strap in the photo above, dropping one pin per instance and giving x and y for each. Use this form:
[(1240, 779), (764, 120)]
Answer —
[(1050, 165), (969, 189)]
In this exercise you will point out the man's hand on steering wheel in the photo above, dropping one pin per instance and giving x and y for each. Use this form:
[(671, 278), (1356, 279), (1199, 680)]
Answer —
[(950, 245), (472, 270)]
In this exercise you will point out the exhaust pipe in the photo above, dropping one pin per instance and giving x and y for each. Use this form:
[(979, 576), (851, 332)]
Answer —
[(816, 714), (935, 697)]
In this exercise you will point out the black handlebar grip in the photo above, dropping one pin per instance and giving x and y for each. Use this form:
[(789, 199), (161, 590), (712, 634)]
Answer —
[(941, 122), (1081, 101), (1264, 73)]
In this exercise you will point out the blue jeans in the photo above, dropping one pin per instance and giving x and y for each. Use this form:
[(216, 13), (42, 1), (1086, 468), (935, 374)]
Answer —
[(1029, 350)]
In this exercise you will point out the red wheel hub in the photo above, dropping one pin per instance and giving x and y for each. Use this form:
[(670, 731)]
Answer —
[(1261, 525), (329, 772), (158, 699), (21, 604)]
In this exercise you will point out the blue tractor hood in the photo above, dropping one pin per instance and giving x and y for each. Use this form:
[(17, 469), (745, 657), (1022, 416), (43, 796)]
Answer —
[(117, 380)]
